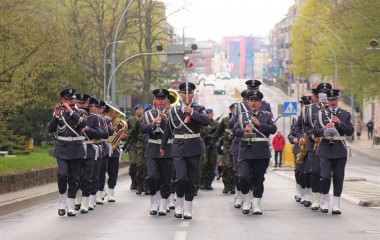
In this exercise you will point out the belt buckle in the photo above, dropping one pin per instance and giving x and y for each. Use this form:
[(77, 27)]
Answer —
[(185, 136), (71, 139)]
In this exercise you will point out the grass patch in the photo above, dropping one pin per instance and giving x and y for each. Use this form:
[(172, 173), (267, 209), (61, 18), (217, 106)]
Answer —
[(38, 159)]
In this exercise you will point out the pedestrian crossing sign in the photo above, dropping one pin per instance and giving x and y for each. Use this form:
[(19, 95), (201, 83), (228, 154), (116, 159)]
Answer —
[(290, 108)]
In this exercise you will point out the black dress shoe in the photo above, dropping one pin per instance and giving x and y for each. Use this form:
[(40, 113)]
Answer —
[(208, 187), (147, 191), (307, 203), (258, 213), (336, 212), (61, 212), (202, 186), (225, 190), (314, 208), (138, 191), (245, 211), (153, 212), (77, 207), (176, 215), (233, 191), (162, 213), (187, 217), (237, 205), (69, 214), (324, 210), (133, 186)]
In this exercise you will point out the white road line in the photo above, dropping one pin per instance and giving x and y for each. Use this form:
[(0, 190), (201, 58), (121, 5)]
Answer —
[(184, 224), (180, 235)]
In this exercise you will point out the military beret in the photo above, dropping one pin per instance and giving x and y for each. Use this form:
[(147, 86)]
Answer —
[(137, 106), (68, 93), (148, 107), (209, 110), (232, 106)]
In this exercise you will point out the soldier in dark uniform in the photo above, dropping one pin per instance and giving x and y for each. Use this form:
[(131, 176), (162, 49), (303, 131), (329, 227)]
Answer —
[(93, 133), (131, 149), (254, 129), (235, 147), (69, 149), (208, 166), (225, 133), (185, 121), (159, 167), (299, 167), (332, 150), (305, 125), (104, 111), (254, 85)]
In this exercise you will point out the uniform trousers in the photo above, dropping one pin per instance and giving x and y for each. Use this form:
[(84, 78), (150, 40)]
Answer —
[(306, 170), (102, 175), (173, 184), (235, 159), (112, 171), (251, 175), (186, 173), (86, 175), (133, 163), (333, 167), (315, 172), (159, 175), (68, 174), (95, 176), (299, 172)]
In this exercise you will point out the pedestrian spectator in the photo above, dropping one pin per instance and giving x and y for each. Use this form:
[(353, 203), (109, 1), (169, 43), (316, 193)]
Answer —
[(359, 128), (370, 129), (278, 144)]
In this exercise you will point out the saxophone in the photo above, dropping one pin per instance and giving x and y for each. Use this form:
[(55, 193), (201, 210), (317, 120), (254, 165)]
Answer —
[(303, 149)]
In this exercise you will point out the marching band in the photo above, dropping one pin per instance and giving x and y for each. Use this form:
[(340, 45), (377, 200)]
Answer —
[(171, 146)]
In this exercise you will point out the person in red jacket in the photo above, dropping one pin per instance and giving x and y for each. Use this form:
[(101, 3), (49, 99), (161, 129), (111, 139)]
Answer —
[(278, 144)]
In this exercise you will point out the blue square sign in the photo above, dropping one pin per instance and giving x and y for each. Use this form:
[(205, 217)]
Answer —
[(290, 108)]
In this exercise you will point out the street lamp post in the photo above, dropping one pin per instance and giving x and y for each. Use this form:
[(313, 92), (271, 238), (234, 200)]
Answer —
[(105, 68), (132, 57), (113, 57)]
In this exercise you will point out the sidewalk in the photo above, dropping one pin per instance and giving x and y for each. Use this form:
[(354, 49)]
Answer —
[(15, 201), (355, 190)]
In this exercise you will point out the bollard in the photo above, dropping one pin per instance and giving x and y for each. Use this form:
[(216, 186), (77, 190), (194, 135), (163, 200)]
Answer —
[(288, 156)]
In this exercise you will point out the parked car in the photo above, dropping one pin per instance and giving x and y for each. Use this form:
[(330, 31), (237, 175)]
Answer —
[(208, 82), (219, 89)]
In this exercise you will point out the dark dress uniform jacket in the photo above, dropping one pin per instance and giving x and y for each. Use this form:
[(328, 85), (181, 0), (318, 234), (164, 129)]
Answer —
[(153, 149), (186, 147), (93, 133), (68, 149), (257, 150), (104, 134), (293, 135), (306, 121), (338, 150)]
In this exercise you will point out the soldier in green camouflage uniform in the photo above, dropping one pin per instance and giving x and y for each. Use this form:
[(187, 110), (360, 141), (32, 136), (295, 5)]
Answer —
[(208, 166), (224, 132), (131, 146), (204, 133)]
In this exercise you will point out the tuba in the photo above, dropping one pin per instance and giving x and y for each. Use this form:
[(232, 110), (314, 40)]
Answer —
[(119, 126), (174, 97)]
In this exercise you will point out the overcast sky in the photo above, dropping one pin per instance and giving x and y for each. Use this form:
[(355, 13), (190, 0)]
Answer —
[(213, 19)]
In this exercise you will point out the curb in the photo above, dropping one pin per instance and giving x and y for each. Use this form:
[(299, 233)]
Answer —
[(361, 202), (22, 203)]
